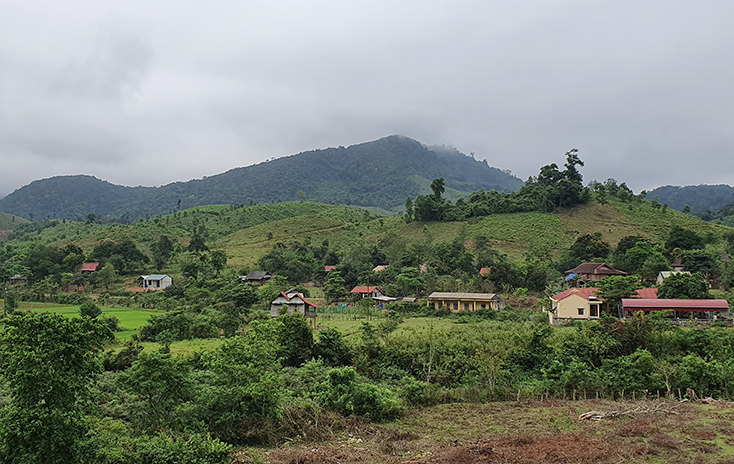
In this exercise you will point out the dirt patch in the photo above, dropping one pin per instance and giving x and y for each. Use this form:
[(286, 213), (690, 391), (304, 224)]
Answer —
[(522, 433)]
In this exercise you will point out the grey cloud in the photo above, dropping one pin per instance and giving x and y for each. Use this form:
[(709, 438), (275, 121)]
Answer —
[(641, 88)]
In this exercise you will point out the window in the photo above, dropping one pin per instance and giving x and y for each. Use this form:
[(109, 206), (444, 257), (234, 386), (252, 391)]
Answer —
[(467, 306), (581, 311), (484, 306), (456, 306), (594, 311)]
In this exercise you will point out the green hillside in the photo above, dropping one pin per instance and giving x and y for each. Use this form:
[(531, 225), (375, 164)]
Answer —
[(512, 234), (379, 174), (212, 222), (8, 222), (244, 233)]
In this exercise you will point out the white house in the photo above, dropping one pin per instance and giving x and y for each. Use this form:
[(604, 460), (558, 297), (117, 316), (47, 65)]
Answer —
[(155, 282), (367, 292)]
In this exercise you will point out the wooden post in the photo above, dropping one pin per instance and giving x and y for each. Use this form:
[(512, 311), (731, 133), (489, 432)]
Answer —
[(574, 394), (622, 398), (518, 395), (633, 396)]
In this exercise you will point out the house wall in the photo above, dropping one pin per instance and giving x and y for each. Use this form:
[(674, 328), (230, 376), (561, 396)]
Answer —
[(294, 305), (568, 308), (158, 284), (468, 304)]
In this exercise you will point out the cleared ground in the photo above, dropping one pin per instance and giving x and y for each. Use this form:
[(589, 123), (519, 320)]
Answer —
[(531, 432)]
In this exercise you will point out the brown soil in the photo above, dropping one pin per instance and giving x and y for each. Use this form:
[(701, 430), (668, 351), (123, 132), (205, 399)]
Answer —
[(525, 433)]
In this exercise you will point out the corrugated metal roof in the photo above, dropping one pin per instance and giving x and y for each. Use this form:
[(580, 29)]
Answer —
[(363, 289), (647, 293), (595, 268), (677, 305), (300, 296), (461, 296), (90, 266), (154, 277), (584, 293)]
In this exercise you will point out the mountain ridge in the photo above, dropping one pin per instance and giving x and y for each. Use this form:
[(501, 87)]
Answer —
[(700, 198), (372, 174)]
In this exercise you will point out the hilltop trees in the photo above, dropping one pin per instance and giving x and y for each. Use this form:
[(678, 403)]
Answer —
[(552, 188)]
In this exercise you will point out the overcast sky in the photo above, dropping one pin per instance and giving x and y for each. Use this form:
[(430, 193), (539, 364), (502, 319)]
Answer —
[(151, 92)]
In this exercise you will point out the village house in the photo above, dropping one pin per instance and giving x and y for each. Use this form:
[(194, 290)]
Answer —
[(466, 301), (257, 277), (366, 291), (590, 272), (584, 304), (155, 282), (293, 302), (665, 274), (17, 279), (88, 268)]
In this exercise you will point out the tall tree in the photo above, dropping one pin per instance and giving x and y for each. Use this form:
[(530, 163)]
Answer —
[(49, 361), (684, 286)]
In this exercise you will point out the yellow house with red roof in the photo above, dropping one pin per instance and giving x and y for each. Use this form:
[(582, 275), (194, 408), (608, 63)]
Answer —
[(584, 304)]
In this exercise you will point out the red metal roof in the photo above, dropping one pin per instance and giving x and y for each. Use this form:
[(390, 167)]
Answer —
[(647, 293), (90, 266), (299, 295), (363, 289), (638, 304), (585, 293), (329, 268)]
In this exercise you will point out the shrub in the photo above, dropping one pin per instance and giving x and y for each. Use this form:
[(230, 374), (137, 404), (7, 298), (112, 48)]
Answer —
[(343, 393), (89, 309)]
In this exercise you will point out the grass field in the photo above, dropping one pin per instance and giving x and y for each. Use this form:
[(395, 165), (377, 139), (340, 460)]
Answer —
[(348, 326), (131, 319)]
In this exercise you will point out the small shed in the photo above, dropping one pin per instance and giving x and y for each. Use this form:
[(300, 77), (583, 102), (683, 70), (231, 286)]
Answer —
[(383, 300), (257, 277), (17, 279), (155, 282), (88, 268)]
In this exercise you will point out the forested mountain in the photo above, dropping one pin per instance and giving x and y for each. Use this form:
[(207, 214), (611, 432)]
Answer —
[(700, 198), (382, 173)]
